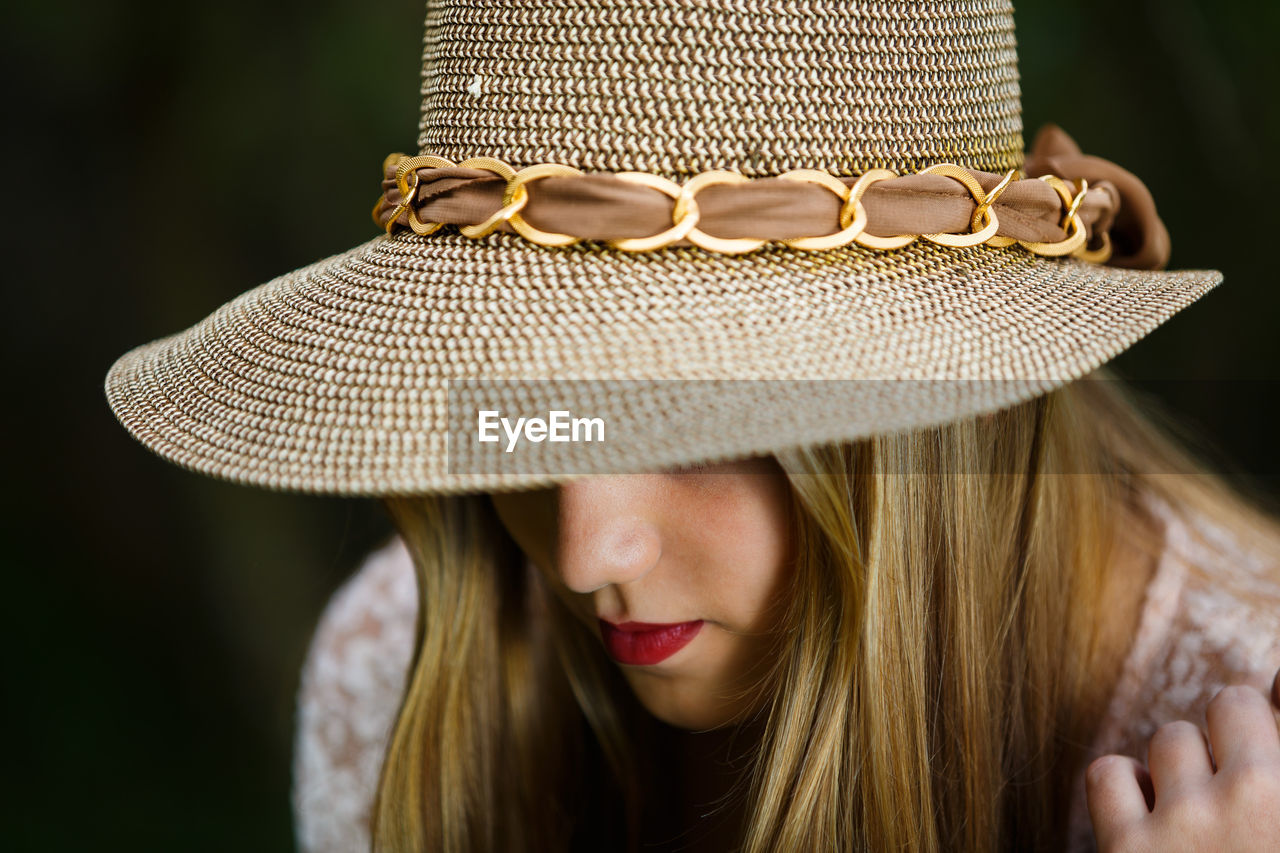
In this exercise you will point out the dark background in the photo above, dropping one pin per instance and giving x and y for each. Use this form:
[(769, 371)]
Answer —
[(162, 158)]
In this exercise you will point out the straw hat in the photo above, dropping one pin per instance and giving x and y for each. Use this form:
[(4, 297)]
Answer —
[(696, 230)]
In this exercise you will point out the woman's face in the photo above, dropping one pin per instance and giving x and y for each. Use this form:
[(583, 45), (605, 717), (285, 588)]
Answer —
[(680, 574)]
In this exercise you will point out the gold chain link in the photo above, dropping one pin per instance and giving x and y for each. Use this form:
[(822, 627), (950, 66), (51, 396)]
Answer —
[(685, 213)]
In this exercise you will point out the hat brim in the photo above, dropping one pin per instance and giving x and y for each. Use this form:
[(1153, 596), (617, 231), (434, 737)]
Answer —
[(334, 378)]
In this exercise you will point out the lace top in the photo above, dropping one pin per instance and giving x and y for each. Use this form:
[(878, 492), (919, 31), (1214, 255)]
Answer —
[(348, 699), (1195, 636)]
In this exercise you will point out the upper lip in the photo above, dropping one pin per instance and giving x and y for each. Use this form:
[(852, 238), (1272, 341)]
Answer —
[(632, 625)]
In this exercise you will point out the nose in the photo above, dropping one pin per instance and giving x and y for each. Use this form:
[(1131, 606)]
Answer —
[(607, 531)]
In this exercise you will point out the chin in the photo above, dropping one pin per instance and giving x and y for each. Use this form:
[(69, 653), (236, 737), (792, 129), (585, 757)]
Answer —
[(682, 707)]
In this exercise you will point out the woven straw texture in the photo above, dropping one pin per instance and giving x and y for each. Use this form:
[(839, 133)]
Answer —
[(678, 87), (334, 378)]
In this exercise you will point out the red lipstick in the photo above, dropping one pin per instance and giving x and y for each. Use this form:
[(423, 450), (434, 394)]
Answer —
[(646, 643)]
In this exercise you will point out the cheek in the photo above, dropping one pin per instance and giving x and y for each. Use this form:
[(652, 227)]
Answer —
[(749, 561)]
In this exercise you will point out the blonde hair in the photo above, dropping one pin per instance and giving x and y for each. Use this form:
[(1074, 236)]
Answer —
[(933, 685)]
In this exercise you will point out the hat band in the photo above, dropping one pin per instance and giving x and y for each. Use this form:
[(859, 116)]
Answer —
[(721, 211)]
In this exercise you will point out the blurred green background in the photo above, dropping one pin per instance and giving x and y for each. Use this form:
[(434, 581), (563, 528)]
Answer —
[(162, 158)]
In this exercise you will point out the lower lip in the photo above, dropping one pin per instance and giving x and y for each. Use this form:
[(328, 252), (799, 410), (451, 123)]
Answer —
[(637, 644)]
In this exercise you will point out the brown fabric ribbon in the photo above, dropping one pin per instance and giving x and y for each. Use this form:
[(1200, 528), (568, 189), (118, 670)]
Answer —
[(600, 206), (1139, 239)]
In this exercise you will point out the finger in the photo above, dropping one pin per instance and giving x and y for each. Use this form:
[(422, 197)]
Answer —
[(1241, 726), (1114, 790), (1178, 756)]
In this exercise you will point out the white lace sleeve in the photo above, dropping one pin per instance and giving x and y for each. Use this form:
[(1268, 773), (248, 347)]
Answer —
[(347, 701)]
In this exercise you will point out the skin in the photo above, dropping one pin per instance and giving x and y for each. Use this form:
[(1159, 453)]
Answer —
[(710, 543), (713, 543)]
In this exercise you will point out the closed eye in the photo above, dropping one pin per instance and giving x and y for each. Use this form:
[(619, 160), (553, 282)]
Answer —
[(690, 468)]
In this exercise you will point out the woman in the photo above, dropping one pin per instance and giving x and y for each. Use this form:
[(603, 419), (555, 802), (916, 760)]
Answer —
[(934, 623), (932, 564)]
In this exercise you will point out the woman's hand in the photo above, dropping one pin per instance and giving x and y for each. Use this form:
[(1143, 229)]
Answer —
[(1192, 799)]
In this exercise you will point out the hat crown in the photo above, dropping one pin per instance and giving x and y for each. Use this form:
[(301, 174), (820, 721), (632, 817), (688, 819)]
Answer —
[(677, 87)]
